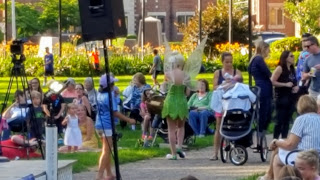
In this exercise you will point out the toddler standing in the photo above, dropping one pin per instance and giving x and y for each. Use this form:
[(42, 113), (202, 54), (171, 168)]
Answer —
[(72, 136)]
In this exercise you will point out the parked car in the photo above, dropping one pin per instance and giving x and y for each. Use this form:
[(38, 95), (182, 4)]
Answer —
[(271, 40), (268, 35)]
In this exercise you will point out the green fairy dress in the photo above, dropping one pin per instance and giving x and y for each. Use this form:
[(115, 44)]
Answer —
[(175, 105)]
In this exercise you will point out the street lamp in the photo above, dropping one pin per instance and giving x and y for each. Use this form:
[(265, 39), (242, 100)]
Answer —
[(59, 28), (200, 20), (250, 37), (230, 22)]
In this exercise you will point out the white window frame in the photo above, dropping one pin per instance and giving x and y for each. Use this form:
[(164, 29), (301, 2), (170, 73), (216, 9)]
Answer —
[(276, 6), (159, 14), (185, 13)]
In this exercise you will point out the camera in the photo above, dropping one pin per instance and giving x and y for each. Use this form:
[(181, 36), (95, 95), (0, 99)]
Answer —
[(16, 47)]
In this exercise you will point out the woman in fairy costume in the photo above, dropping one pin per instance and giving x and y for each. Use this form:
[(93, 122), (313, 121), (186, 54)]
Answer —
[(181, 79)]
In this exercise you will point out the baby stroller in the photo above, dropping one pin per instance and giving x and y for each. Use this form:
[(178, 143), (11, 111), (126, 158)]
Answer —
[(236, 131), (154, 105)]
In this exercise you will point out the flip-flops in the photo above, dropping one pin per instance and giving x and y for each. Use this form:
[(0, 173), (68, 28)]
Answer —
[(213, 158)]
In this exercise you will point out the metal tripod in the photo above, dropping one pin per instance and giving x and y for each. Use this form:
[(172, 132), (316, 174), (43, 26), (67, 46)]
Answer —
[(18, 72)]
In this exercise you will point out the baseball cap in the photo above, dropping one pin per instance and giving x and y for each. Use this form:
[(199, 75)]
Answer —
[(103, 81)]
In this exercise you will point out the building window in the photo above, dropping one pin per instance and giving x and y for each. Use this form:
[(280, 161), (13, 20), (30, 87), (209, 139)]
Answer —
[(161, 16), (276, 17), (183, 18), (162, 19)]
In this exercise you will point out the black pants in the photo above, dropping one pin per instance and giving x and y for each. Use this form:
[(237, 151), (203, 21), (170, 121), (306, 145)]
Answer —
[(284, 111), (265, 113)]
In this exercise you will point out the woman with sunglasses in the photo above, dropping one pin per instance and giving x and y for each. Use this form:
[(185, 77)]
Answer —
[(82, 98), (285, 82)]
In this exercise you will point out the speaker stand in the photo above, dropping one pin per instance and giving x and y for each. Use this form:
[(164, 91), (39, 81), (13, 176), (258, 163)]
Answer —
[(114, 133)]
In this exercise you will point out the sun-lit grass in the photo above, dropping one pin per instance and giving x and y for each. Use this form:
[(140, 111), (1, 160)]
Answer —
[(128, 152)]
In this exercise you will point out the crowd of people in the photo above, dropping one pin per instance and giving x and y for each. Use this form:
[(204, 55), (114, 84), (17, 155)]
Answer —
[(81, 110)]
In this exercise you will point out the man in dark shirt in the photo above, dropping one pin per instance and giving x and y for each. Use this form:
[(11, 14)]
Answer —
[(48, 66), (53, 106), (156, 67)]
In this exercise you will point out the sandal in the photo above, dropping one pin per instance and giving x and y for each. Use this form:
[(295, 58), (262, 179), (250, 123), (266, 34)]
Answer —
[(171, 157), (213, 158)]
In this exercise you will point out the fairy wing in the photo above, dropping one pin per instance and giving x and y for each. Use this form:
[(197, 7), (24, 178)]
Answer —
[(193, 65), (167, 66)]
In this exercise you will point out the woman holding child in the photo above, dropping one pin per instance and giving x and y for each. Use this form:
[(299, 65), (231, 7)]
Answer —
[(219, 77)]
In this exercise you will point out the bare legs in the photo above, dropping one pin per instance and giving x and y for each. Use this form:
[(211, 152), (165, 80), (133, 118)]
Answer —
[(105, 159), (216, 139), (146, 124), (174, 125)]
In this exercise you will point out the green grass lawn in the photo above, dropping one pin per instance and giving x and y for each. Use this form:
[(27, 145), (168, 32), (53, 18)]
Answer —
[(128, 152)]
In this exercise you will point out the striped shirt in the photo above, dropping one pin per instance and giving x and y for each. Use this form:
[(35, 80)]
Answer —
[(307, 127)]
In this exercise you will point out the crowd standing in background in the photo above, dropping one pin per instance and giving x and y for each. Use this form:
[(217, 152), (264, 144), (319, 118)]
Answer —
[(88, 109)]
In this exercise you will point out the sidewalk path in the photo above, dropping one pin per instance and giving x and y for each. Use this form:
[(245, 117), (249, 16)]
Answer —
[(196, 164)]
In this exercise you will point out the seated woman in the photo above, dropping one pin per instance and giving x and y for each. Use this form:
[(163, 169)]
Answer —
[(82, 98), (70, 91), (133, 95), (304, 135), (16, 114), (199, 108), (13, 147), (89, 140)]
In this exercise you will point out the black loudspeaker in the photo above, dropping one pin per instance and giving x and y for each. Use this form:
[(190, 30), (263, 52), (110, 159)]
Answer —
[(102, 19)]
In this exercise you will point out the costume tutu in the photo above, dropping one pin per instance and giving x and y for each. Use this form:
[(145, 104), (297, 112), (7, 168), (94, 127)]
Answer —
[(175, 105), (73, 136)]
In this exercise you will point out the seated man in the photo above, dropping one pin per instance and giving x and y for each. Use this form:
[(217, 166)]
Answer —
[(16, 147)]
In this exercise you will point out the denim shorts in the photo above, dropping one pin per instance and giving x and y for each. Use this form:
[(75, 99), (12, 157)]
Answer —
[(104, 132)]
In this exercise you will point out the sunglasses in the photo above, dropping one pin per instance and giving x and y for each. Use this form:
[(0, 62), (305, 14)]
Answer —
[(308, 46), (79, 89)]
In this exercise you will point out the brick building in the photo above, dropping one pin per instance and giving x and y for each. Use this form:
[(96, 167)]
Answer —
[(169, 12), (268, 15)]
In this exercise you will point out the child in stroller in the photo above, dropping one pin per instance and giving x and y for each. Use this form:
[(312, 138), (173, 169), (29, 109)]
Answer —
[(154, 102)]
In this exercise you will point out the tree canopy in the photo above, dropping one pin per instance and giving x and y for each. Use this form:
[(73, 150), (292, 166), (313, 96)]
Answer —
[(27, 16), (215, 21), (50, 14), (306, 13)]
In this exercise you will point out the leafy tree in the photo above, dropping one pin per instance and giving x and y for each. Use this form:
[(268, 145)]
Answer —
[(27, 16), (50, 13), (306, 13), (215, 22)]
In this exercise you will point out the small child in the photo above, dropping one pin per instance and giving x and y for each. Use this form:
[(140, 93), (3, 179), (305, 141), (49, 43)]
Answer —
[(37, 126), (146, 116), (72, 136)]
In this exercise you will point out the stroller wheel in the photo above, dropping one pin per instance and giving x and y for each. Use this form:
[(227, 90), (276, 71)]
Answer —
[(238, 155), (190, 140), (224, 150), (263, 148)]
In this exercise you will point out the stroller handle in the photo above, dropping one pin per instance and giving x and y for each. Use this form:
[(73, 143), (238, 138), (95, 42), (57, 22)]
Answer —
[(256, 90)]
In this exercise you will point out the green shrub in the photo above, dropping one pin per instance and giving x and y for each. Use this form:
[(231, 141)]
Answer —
[(288, 43)]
